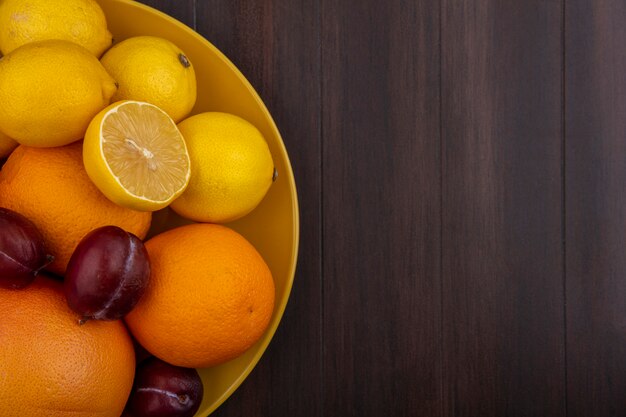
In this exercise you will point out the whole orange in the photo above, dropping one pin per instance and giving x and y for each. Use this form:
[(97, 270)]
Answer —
[(51, 188), (52, 366), (210, 296)]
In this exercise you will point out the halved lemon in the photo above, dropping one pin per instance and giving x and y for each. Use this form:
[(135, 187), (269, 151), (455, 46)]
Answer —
[(134, 153)]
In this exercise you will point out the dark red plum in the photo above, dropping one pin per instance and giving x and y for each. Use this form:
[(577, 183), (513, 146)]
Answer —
[(22, 250), (107, 274), (164, 390)]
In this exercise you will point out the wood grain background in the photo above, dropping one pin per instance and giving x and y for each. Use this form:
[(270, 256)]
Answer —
[(461, 168)]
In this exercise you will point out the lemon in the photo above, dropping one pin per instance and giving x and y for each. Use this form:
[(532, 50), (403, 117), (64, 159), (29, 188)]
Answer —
[(153, 70), (50, 91), (7, 145), (232, 168), (134, 153), (78, 21)]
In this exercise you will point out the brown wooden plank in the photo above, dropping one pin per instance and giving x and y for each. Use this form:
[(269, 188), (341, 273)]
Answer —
[(183, 10), (381, 211), (595, 222), (275, 44), (502, 253)]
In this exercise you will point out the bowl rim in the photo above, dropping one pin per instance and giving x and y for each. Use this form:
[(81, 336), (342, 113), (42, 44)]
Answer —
[(280, 307)]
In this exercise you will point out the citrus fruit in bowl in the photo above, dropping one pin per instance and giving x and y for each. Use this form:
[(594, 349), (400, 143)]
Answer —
[(272, 227)]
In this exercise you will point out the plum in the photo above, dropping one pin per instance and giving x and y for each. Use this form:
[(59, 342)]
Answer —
[(107, 274), (164, 390), (22, 250)]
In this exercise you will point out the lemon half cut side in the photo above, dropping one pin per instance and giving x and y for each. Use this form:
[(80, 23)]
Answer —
[(136, 156)]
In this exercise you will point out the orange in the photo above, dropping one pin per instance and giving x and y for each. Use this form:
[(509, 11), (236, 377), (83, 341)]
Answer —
[(210, 296), (52, 366), (51, 188)]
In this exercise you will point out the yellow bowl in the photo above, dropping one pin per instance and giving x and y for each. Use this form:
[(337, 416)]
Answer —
[(273, 226)]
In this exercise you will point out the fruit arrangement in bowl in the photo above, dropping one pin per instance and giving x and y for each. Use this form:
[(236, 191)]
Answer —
[(148, 216)]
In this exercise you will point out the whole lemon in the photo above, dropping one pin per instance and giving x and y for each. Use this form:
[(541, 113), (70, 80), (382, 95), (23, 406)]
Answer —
[(231, 168), (154, 70), (78, 21), (50, 91)]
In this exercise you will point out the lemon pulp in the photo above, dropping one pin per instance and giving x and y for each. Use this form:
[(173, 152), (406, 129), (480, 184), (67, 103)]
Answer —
[(141, 161)]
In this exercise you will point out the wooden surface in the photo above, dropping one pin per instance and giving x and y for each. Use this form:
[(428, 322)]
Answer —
[(461, 169)]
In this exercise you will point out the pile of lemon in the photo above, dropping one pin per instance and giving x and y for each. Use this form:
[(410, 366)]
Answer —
[(58, 77), (93, 133)]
